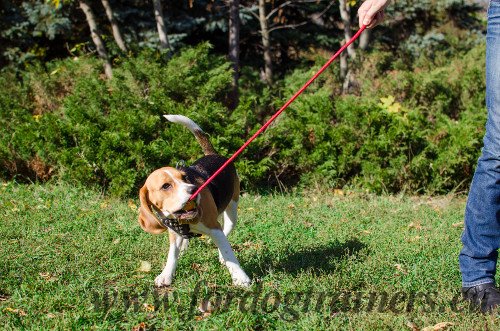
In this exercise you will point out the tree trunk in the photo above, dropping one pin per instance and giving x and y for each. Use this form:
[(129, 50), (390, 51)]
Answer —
[(345, 14), (364, 39), (264, 32), (234, 48), (160, 24), (343, 65), (114, 25), (101, 49)]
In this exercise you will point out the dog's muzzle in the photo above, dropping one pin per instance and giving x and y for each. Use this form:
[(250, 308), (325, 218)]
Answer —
[(180, 220)]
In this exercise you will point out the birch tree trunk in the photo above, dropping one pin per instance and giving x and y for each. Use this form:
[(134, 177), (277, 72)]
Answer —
[(264, 32), (160, 24), (114, 25), (101, 49), (345, 14), (345, 73), (364, 39), (234, 48)]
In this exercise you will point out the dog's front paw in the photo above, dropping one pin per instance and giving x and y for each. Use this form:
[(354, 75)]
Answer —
[(242, 280), (163, 280)]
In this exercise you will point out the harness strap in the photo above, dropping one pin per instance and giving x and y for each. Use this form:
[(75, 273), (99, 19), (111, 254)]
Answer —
[(182, 229)]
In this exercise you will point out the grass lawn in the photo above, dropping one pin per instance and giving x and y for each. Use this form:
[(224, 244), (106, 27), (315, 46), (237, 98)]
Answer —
[(74, 259)]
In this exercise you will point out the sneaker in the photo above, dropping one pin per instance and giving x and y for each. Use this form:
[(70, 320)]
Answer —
[(486, 297)]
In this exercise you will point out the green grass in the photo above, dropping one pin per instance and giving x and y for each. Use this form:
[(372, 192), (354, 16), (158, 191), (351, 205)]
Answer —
[(63, 246)]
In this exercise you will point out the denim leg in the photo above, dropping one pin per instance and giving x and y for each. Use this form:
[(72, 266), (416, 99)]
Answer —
[(481, 236)]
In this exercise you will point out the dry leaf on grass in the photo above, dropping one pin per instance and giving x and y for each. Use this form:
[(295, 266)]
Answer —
[(145, 266), (206, 309), (438, 327), (139, 327), (459, 224), (415, 225), (132, 205), (47, 276), (338, 192), (400, 268), (16, 311), (148, 307), (200, 317)]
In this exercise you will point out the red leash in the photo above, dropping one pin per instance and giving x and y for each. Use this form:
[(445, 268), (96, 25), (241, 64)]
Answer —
[(238, 152)]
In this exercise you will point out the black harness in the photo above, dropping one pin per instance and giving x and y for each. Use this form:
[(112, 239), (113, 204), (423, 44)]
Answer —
[(181, 229)]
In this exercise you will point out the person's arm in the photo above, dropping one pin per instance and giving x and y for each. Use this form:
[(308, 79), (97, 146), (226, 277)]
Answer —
[(371, 12)]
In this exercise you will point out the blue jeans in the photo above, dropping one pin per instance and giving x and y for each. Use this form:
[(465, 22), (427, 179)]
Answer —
[(481, 236)]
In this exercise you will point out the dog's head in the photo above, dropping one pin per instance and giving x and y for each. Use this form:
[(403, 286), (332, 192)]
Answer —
[(168, 191)]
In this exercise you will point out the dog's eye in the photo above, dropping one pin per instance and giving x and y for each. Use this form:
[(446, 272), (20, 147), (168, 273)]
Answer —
[(166, 186)]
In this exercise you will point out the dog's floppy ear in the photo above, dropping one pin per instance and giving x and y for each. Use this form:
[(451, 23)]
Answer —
[(147, 220)]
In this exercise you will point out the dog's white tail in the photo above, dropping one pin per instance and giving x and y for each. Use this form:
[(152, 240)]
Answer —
[(200, 135)]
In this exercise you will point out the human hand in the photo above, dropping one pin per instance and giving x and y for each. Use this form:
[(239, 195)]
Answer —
[(371, 12)]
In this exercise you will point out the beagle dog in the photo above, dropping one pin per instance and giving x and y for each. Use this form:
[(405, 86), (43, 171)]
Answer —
[(165, 206)]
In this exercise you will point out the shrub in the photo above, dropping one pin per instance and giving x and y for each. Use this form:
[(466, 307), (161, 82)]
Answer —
[(416, 130)]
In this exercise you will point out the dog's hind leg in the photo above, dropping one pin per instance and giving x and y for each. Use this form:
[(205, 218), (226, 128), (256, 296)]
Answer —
[(239, 276), (230, 217)]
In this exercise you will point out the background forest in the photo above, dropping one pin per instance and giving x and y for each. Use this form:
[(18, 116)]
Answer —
[(402, 111)]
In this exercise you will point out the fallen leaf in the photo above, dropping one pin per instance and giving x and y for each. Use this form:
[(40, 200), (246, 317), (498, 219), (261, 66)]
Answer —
[(415, 225), (47, 276), (4, 297), (291, 206), (19, 312), (196, 267), (438, 327), (139, 327), (412, 326), (145, 266), (50, 315), (400, 268), (459, 224), (148, 307), (206, 307), (338, 192), (132, 205), (200, 317)]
